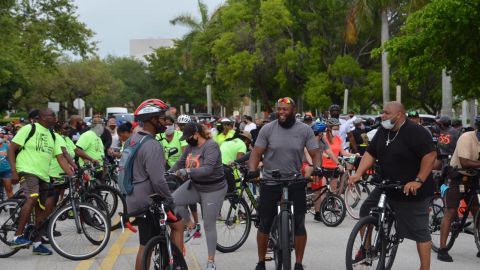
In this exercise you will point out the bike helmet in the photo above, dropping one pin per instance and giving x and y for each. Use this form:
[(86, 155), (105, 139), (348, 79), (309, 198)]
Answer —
[(183, 119), (319, 127), (334, 107), (150, 108), (225, 121), (333, 122)]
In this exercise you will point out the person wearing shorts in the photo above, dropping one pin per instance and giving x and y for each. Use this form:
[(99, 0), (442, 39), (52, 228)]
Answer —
[(465, 156), (5, 170), (410, 162), (149, 176), (31, 168)]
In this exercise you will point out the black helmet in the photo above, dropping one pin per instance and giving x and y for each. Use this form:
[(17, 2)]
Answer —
[(334, 107)]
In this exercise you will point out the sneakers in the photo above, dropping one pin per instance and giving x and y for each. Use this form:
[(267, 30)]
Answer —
[(298, 266), (444, 256), (318, 217), (211, 265), (197, 233), (20, 242), (42, 250), (260, 266), (187, 235)]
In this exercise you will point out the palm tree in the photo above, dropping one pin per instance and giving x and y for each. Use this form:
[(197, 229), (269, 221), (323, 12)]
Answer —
[(387, 11)]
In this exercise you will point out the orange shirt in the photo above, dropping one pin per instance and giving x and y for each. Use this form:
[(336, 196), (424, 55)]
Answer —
[(336, 147)]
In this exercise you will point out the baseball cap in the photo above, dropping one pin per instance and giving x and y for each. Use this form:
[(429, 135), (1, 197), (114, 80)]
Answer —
[(307, 117), (413, 114), (245, 134), (189, 130), (445, 120)]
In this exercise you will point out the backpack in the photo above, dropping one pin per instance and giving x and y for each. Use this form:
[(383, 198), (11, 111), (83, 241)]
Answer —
[(30, 135), (125, 166)]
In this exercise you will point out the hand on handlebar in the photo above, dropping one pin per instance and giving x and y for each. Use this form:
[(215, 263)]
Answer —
[(411, 188), (318, 171), (252, 175), (182, 173), (354, 179)]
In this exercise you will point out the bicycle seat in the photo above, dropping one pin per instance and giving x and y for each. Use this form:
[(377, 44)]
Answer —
[(156, 197)]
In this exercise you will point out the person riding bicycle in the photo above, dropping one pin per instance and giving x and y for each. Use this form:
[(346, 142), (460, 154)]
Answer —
[(281, 142), (307, 167), (447, 139), (345, 126), (91, 144), (225, 130), (31, 167), (201, 166), (409, 161), (149, 176), (466, 156)]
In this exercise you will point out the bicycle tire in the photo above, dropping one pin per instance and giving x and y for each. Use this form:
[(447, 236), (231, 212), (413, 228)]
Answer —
[(354, 200), (158, 246), (231, 223), (436, 213), (392, 245), (8, 226), (333, 210), (274, 244), (63, 242), (285, 241), (476, 227), (370, 224), (96, 200), (117, 205)]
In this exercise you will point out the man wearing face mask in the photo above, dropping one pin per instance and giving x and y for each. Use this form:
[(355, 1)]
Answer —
[(91, 144), (281, 143), (404, 152), (75, 127), (345, 126), (225, 130)]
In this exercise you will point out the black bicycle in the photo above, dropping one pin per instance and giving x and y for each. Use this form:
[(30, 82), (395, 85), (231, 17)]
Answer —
[(160, 253), (237, 215), (76, 230), (459, 224), (373, 242)]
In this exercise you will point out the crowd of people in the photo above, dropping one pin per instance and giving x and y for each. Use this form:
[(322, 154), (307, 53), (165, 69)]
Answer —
[(39, 153)]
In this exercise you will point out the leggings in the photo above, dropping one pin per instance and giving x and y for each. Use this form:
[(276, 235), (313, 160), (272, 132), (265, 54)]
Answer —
[(211, 203)]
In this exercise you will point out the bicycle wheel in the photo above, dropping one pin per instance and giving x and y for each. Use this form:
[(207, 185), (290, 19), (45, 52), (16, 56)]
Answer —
[(285, 240), (274, 245), (354, 198), (333, 210), (155, 255), (233, 224), (361, 252), (476, 227), (392, 242), (115, 201), (9, 212), (79, 242), (97, 201), (435, 216)]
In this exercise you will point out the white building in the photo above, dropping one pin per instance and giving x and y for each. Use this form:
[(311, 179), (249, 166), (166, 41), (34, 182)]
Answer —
[(139, 48)]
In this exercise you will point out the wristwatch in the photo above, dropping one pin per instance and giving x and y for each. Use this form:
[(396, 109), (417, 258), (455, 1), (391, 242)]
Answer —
[(419, 180)]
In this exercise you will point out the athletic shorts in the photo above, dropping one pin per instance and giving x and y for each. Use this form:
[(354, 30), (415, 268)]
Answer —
[(411, 216), (454, 195), (32, 185), (6, 175), (149, 227)]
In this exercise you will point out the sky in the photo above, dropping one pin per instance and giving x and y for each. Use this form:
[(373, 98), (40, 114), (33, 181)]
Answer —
[(115, 22)]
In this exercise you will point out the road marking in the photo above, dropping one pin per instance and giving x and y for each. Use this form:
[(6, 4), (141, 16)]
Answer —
[(115, 251), (130, 250), (191, 259), (85, 265)]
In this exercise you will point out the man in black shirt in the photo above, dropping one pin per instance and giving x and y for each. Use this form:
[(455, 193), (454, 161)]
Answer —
[(404, 152)]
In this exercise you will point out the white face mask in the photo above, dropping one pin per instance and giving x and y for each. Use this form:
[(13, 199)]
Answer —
[(335, 133), (1, 140), (170, 130), (387, 124)]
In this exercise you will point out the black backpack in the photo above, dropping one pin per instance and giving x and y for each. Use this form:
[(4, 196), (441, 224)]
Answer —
[(30, 135)]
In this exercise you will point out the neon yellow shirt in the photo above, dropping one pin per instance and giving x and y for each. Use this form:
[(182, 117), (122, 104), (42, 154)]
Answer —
[(38, 152), (55, 169), (174, 143), (230, 149), (70, 145), (220, 138), (92, 145)]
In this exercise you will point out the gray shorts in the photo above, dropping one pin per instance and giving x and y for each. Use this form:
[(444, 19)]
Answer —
[(411, 216)]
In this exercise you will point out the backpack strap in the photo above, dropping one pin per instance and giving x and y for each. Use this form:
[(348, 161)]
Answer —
[(29, 136)]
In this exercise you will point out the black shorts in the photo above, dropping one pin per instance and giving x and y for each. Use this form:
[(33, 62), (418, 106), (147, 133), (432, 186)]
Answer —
[(149, 227), (411, 216), (270, 196), (454, 194)]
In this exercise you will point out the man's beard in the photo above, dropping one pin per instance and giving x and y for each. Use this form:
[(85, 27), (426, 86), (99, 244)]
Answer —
[(98, 129), (289, 121)]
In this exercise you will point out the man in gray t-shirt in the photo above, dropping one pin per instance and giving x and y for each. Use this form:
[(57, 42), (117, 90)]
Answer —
[(282, 143)]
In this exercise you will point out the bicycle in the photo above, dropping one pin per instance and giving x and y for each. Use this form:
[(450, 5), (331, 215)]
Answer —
[(159, 253), (458, 225), (236, 216), (373, 241), (332, 207), (73, 223)]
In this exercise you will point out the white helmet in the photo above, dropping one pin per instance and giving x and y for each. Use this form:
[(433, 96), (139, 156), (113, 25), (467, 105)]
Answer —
[(183, 119)]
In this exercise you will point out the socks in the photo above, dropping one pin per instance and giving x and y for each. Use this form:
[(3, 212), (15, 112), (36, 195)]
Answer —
[(36, 244)]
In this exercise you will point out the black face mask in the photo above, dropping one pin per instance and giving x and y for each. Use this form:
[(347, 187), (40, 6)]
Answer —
[(192, 141), (335, 115), (159, 128), (289, 122), (220, 128)]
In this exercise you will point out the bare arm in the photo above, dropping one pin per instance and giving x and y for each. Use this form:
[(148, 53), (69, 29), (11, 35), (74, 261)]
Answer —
[(12, 156), (307, 156), (79, 152), (255, 157), (426, 165), (62, 161), (367, 162), (469, 164), (316, 157), (68, 158), (332, 156)]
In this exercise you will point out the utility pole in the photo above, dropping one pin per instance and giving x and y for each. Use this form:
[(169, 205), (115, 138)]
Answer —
[(446, 93), (345, 102), (209, 93)]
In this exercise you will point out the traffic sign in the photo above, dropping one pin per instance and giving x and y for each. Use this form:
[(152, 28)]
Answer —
[(79, 103), (54, 106)]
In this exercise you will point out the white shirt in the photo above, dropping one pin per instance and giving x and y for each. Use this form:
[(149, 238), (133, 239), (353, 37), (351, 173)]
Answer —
[(249, 127)]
